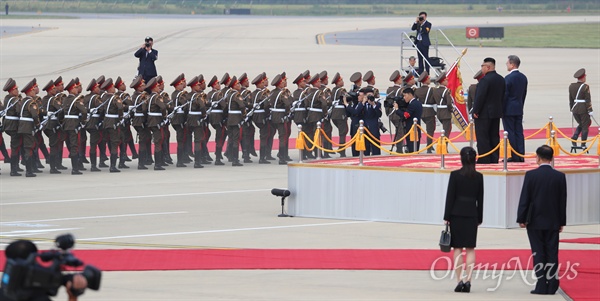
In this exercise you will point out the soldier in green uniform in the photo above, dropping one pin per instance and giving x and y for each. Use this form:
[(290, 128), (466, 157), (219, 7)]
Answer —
[(52, 104), (112, 118), (215, 112), (157, 110), (356, 79), (580, 101), (260, 117), (59, 85), (425, 95), (169, 105), (28, 122), (236, 111), (317, 108), (248, 129), (140, 105), (338, 112), (472, 90), (445, 104), (95, 110), (218, 117), (325, 122), (196, 110), (126, 134), (280, 104), (11, 124), (179, 98), (394, 94), (75, 113)]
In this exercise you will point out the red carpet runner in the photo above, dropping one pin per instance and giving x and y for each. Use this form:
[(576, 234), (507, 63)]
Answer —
[(579, 269), (586, 240)]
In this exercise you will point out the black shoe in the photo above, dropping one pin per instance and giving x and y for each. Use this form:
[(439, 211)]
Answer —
[(38, 165), (459, 287), (169, 161), (15, 174), (142, 167), (76, 172), (205, 162), (84, 160), (35, 170), (30, 175), (19, 169), (134, 156), (218, 162), (288, 159), (61, 167), (125, 158), (282, 162), (198, 165), (122, 165), (253, 153), (158, 167), (114, 169), (534, 292), (208, 158), (270, 158), (310, 156), (247, 161), (102, 164), (237, 163), (95, 169), (263, 161), (54, 171), (467, 287), (180, 164)]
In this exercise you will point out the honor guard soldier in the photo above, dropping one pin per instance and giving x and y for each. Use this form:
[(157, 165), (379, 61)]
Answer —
[(166, 99), (3, 149), (140, 107), (214, 98), (179, 99), (157, 110), (236, 112), (325, 123), (112, 118), (217, 115), (11, 124), (126, 135), (28, 122), (40, 144), (95, 109), (425, 95), (306, 75), (206, 159), (102, 144), (280, 104), (248, 129), (53, 110), (471, 92), (445, 103), (299, 113), (394, 94), (196, 111), (356, 79), (75, 113), (260, 116), (369, 78), (317, 108), (338, 113), (580, 101), (59, 85)]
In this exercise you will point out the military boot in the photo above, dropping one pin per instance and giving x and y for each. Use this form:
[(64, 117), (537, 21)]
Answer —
[(74, 166), (158, 156), (14, 166), (113, 163), (93, 160), (198, 159), (29, 171)]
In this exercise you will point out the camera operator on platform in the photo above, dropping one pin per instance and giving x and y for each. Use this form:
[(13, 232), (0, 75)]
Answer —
[(423, 27), (22, 249), (147, 56)]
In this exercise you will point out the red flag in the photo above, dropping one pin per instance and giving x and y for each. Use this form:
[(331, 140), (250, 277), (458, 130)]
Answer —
[(455, 84)]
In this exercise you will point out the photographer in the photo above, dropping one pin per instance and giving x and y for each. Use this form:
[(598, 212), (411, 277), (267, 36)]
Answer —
[(423, 27), (21, 250), (414, 109), (372, 113), (147, 56)]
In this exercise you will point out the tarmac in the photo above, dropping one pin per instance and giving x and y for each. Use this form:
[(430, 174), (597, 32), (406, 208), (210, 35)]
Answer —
[(226, 207)]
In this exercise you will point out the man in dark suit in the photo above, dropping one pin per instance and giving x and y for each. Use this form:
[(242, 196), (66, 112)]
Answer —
[(422, 26), (542, 210), (413, 110), (147, 56), (372, 114), (487, 111), (514, 100)]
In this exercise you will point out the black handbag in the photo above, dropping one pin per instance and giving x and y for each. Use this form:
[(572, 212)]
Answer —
[(445, 239)]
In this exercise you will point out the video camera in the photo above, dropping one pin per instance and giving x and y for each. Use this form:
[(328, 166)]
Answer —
[(388, 103), (24, 278), (351, 97)]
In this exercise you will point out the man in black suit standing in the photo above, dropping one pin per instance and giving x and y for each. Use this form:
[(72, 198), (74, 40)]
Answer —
[(543, 211), (514, 100), (147, 56), (414, 109), (423, 27), (487, 111)]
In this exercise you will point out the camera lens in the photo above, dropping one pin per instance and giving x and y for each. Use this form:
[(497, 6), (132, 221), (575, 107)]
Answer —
[(421, 18)]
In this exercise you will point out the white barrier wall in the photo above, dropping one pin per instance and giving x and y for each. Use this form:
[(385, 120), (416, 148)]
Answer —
[(418, 195)]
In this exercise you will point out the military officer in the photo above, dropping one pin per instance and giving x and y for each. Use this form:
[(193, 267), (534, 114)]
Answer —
[(248, 129), (59, 85), (326, 123), (179, 98), (445, 103), (394, 94), (261, 113), (298, 96), (40, 144), (317, 108), (236, 111), (356, 79), (206, 159), (157, 110), (215, 116), (425, 95), (28, 122), (140, 105), (196, 109), (280, 104), (75, 112), (112, 117), (338, 112), (369, 78), (11, 124), (580, 101), (169, 105), (126, 134), (95, 109), (472, 90), (52, 104)]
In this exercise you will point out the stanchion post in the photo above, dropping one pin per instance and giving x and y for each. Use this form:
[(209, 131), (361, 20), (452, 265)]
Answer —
[(319, 144), (505, 146), (441, 150), (552, 134), (361, 154), (416, 135), (551, 123), (472, 130), (301, 151)]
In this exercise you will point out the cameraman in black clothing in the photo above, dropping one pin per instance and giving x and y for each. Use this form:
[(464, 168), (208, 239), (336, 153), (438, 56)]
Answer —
[(147, 56), (22, 249)]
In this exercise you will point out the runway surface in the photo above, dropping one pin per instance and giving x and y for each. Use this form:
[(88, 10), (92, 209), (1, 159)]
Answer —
[(226, 207)]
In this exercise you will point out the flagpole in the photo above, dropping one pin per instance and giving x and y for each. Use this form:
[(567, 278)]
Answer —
[(457, 60)]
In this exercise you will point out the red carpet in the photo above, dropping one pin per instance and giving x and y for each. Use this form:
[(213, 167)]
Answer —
[(586, 240), (579, 269)]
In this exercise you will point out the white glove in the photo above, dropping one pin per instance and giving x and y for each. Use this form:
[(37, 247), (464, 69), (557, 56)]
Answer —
[(591, 113)]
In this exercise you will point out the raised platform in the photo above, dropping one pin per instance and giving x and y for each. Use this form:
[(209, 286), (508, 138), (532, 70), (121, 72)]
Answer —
[(413, 189)]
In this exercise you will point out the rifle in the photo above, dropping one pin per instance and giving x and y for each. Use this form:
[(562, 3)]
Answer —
[(45, 121), (175, 109), (132, 110), (213, 105), (254, 108)]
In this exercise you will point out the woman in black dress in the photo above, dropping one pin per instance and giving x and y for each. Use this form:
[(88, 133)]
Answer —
[(464, 213)]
